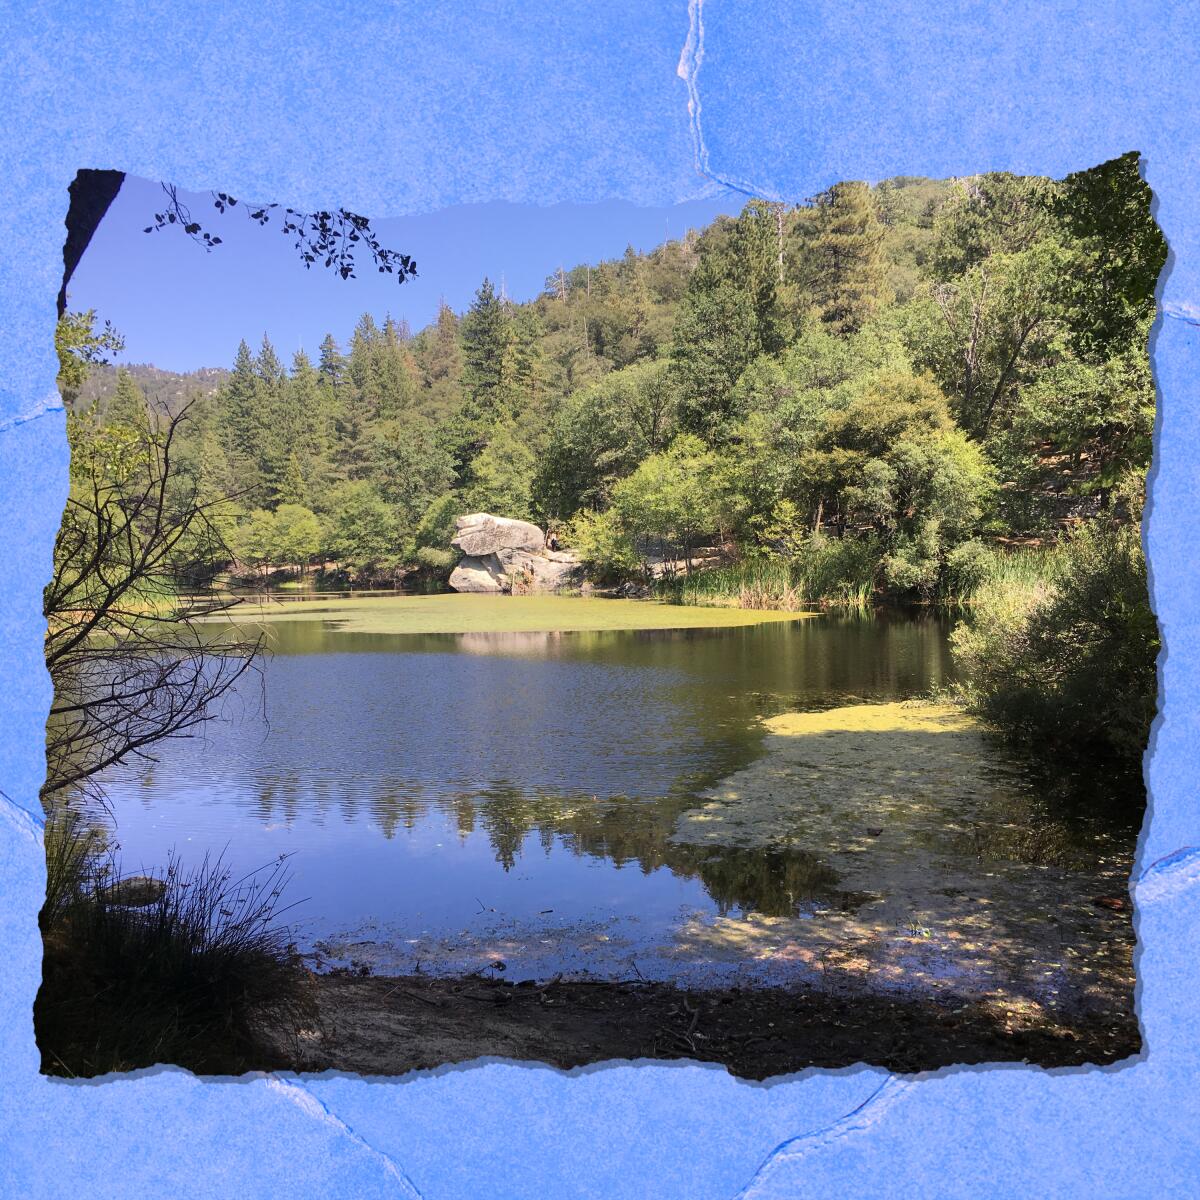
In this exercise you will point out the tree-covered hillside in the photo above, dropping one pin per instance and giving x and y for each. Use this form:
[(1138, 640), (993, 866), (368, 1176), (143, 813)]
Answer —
[(916, 368)]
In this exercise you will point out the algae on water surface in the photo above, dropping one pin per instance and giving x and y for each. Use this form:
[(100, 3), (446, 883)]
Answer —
[(969, 886), (455, 613)]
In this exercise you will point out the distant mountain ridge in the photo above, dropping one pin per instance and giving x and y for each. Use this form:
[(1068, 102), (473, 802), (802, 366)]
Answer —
[(170, 389)]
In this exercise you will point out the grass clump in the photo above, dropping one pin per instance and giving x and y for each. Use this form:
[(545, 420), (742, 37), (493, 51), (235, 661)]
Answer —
[(822, 572), (195, 977)]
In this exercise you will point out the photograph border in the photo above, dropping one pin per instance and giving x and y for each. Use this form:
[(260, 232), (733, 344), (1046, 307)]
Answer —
[(411, 108)]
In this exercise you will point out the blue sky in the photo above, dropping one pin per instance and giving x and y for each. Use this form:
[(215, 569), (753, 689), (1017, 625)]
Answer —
[(182, 308)]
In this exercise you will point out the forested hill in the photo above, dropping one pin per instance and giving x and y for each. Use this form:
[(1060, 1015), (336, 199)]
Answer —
[(910, 367), (168, 390)]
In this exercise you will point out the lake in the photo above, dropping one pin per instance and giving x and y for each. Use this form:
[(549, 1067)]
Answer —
[(634, 803)]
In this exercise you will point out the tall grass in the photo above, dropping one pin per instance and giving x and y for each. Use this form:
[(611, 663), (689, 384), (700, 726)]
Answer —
[(973, 567), (194, 978), (826, 572), (73, 850)]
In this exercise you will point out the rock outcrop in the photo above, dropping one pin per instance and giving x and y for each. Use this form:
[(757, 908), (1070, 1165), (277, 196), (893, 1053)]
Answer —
[(506, 555), (481, 534)]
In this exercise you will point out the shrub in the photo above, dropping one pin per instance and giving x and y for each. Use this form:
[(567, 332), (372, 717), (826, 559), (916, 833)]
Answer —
[(436, 526), (434, 558), (1065, 658), (603, 546), (193, 978), (967, 567)]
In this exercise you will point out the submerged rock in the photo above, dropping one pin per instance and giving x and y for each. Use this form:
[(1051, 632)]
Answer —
[(506, 555), (137, 891)]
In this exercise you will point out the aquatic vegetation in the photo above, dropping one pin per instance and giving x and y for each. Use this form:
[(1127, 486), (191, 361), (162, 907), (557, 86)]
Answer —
[(500, 614), (1059, 651), (962, 882), (825, 572)]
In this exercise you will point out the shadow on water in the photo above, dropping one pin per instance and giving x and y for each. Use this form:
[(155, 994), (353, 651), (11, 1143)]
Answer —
[(776, 881)]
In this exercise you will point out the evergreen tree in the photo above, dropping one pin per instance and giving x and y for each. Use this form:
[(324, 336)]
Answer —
[(310, 403), (332, 363), (203, 455), (281, 428), (756, 247), (502, 475), (267, 365), (716, 338), (241, 422), (127, 405), (393, 372), (842, 265), (486, 333), (1106, 211), (438, 357)]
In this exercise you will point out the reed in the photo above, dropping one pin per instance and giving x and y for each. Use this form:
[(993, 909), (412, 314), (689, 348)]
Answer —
[(824, 573)]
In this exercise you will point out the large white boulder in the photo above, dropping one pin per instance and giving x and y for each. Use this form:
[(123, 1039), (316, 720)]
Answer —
[(502, 554), (549, 571), (479, 574), (482, 533)]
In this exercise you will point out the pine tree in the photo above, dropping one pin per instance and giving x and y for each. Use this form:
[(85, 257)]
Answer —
[(267, 365), (486, 332), (240, 421), (209, 466), (438, 360), (756, 250), (127, 405), (522, 372), (310, 403), (716, 338), (842, 259), (280, 430), (332, 363), (393, 372)]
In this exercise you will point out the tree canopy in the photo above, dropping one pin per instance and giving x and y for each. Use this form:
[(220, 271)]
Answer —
[(913, 366)]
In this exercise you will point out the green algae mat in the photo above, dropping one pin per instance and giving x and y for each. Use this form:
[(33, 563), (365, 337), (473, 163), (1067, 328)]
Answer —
[(457, 613)]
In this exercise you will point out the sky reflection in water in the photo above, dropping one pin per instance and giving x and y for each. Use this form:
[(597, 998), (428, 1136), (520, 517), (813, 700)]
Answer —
[(451, 799)]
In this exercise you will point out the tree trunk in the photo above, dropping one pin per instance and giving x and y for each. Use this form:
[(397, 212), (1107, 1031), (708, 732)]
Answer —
[(91, 194)]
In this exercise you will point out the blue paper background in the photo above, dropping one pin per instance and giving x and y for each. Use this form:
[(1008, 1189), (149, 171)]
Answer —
[(391, 108)]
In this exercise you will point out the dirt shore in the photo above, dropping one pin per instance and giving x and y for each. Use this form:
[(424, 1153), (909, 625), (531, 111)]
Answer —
[(391, 1025)]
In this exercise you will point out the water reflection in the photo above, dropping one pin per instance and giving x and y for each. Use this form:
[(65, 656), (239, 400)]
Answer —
[(474, 789)]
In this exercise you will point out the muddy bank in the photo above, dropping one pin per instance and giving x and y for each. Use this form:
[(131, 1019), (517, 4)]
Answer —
[(390, 1025)]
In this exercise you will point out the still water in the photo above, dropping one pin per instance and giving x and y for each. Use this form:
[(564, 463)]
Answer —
[(450, 801)]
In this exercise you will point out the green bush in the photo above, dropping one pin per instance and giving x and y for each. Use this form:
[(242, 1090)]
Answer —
[(1063, 656), (434, 558), (603, 546), (437, 527), (968, 566)]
